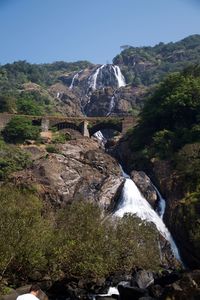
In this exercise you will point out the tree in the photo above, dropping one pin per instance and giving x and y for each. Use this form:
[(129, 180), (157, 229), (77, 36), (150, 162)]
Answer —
[(24, 232), (19, 129)]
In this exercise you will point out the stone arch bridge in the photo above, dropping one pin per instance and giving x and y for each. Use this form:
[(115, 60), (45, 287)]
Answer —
[(87, 126)]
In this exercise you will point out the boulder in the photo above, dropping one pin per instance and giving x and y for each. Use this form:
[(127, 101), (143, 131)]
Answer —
[(143, 278), (144, 184), (130, 293)]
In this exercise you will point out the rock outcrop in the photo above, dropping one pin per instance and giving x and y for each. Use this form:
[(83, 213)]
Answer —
[(144, 184), (79, 171)]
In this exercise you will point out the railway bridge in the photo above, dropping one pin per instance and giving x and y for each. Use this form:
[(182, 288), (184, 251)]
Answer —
[(87, 126)]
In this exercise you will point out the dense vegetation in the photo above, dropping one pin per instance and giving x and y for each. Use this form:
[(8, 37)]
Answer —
[(19, 129), (24, 86), (149, 65), (74, 242), (169, 130), (12, 159), (170, 119)]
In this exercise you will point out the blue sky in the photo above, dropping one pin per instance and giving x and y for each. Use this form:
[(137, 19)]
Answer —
[(42, 31)]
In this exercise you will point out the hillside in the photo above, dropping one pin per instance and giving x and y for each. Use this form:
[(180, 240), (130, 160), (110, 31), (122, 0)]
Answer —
[(82, 88), (148, 65)]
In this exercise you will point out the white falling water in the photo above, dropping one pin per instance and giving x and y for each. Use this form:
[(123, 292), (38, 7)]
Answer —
[(100, 137), (73, 79), (133, 202), (118, 74), (93, 78), (161, 203), (113, 69), (111, 291), (111, 106), (57, 95)]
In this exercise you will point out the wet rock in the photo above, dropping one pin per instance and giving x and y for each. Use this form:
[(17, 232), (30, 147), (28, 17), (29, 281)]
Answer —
[(144, 184), (129, 292)]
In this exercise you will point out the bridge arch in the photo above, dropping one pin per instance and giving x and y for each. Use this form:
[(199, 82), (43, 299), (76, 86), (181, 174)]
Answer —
[(64, 125), (105, 125)]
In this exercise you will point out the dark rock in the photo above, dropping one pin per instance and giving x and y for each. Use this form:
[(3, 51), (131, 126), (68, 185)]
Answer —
[(167, 278), (129, 293), (146, 298), (155, 290)]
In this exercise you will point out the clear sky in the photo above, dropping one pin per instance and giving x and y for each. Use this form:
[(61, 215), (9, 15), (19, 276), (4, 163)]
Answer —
[(42, 31)]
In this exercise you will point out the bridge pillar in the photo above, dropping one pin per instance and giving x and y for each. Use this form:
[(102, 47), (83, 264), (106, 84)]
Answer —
[(84, 129), (45, 124)]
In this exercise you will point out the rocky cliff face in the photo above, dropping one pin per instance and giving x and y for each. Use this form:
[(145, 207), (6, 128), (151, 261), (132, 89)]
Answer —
[(182, 213), (79, 171)]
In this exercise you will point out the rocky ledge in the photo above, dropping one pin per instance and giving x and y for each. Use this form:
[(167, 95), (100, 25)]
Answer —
[(79, 170)]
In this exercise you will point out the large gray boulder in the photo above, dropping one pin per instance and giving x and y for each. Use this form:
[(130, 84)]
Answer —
[(144, 184)]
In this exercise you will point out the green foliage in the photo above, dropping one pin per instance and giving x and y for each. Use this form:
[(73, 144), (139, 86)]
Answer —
[(150, 65), (171, 116), (51, 149), (163, 143), (188, 165), (89, 246), (188, 220), (59, 137), (19, 129), (7, 104), (24, 233), (12, 159), (77, 240)]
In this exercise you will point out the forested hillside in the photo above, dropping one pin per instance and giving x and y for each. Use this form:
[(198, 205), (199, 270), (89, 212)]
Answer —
[(73, 88), (148, 65)]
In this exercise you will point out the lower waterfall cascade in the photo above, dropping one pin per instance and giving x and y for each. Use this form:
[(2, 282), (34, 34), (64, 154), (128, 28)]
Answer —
[(133, 202)]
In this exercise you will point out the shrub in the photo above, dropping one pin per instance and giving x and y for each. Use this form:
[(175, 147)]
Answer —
[(24, 233), (88, 246), (51, 149), (12, 159), (19, 129)]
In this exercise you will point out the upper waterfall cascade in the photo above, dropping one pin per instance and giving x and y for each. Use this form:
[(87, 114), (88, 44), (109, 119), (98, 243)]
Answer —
[(73, 79), (106, 75), (133, 202), (119, 76)]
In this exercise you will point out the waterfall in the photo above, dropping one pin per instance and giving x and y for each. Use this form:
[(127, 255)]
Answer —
[(114, 73), (100, 137), (161, 203), (118, 74), (93, 78), (111, 106), (133, 202), (73, 79)]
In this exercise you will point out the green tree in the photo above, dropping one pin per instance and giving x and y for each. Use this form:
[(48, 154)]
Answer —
[(7, 104), (87, 245), (19, 129), (24, 232)]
